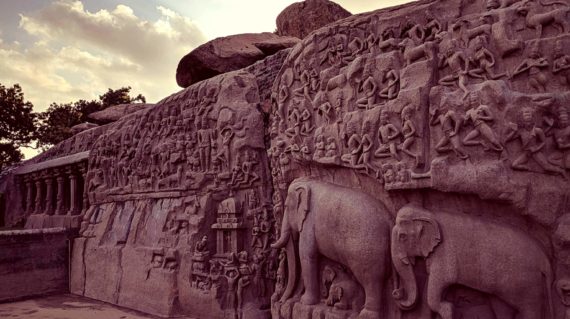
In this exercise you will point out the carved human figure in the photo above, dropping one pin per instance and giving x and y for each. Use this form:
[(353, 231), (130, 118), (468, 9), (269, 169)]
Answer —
[(201, 247), (206, 139), (390, 81), (458, 65), (450, 123), (369, 86), (479, 114), (409, 133), (561, 63), (331, 148), (387, 138), (532, 140), (366, 143), (454, 258), (305, 89), (535, 64), (319, 147), (562, 138), (326, 111), (484, 60)]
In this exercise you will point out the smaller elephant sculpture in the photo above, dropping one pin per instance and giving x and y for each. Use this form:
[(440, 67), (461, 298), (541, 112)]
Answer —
[(342, 291), (463, 250), (345, 225)]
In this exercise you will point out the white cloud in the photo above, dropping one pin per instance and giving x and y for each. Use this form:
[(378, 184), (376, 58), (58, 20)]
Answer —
[(78, 54)]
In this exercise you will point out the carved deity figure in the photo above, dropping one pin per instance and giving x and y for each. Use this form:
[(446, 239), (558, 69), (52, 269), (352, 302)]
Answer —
[(562, 138), (409, 132), (484, 60), (561, 63), (479, 114), (534, 64), (206, 140), (387, 138), (369, 86), (450, 123), (458, 65), (532, 140), (390, 80)]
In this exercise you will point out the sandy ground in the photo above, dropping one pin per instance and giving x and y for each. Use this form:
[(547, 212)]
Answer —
[(66, 307)]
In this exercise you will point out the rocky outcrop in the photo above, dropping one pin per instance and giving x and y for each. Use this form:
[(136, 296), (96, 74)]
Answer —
[(82, 127), (301, 18), (227, 54), (115, 112)]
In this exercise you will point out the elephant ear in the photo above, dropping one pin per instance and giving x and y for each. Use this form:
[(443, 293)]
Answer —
[(430, 235), (303, 194)]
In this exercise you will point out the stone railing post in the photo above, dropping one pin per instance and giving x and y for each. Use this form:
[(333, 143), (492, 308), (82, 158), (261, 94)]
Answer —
[(48, 209), (38, 201), (29, 192), (60, 203), (73, 193)]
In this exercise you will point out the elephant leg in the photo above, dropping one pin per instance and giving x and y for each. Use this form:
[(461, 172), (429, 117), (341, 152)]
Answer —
[(372, 280), (309, 256), (435, 290)]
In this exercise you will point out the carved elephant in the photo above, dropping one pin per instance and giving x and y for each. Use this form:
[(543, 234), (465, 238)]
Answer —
[(343, 292), (342, 224), (463, 250)]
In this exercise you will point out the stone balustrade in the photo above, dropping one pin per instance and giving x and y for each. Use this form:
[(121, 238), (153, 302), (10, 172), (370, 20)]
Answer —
[(55, 189)]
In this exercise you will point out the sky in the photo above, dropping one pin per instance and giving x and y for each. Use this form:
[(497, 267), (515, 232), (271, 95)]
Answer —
[(65, 50)]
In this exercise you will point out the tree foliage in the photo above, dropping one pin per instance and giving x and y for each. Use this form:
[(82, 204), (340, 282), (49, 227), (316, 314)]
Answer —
[(17, 124), (56, 123)]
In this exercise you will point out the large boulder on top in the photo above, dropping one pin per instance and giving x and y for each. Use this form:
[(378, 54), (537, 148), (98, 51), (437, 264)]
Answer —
[(115, 112), (302, 18), (227, 54)]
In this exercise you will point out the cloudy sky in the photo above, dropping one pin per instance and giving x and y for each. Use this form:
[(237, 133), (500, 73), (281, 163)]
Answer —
[(65, 50)]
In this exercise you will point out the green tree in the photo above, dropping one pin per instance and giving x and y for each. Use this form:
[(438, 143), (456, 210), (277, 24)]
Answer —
[(56, 122), (17, 124), (120, 96)]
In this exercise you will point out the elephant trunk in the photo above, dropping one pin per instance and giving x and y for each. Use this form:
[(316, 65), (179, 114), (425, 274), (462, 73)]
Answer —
[(407, 295), (291, 271), (285, 234)]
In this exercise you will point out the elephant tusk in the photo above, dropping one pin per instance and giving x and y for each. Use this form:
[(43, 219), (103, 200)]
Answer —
[(408, 261)]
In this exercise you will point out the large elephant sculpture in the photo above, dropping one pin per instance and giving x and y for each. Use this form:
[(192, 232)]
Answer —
[(342, 224), (464, 250)]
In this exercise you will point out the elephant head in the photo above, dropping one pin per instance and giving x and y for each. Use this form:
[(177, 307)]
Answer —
[(297, 207), (296, 210), (415, 234)]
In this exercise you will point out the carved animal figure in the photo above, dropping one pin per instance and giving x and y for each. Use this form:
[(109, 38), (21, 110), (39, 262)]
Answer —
[(413, 52), (343, 224), (558, 18), (463, 250), (343, 292)]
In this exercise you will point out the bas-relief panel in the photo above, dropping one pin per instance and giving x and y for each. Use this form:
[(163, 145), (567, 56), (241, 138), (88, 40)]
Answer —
[(423, 108)]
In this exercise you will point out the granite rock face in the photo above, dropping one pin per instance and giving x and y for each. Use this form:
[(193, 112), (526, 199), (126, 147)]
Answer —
[(227, 54), (410, 162), (301, 18), (115, 112)]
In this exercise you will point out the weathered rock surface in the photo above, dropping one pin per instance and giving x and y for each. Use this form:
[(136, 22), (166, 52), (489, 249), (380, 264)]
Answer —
[(82, 127), (301, 18), (227, 54), (115, 112), (406, 163)]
